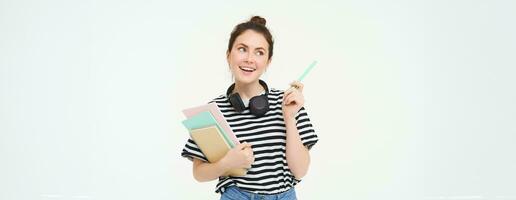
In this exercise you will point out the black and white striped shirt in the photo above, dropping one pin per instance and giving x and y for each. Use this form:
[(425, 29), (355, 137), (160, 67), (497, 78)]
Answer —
[(269, 174)]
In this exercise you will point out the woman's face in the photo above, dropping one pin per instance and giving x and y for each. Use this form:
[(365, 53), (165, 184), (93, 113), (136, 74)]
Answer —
[(249, 57)]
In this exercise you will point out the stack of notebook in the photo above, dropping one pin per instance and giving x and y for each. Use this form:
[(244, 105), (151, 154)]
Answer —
[(211, 133)]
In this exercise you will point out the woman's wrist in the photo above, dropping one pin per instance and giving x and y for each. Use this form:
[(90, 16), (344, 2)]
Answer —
[(289, 119), (222, 165)]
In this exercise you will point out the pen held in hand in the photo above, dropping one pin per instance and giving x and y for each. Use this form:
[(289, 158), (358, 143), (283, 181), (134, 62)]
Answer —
[(307, 70)]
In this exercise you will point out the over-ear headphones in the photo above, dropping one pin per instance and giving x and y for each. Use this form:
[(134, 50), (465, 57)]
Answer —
[(258, 105)]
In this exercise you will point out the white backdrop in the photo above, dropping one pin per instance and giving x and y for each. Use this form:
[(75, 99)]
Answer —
[(410, 99)]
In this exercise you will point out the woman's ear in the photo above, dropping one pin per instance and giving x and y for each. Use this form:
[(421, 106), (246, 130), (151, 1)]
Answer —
[(268, 63), (227, 57)]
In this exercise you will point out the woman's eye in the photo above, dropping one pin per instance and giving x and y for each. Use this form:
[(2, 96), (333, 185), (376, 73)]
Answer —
[(259, 53), (241, 49)]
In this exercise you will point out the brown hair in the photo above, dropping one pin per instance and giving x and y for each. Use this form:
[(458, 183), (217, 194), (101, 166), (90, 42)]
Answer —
[(256, 23)]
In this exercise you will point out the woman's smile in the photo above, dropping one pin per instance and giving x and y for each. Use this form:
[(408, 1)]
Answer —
[(247, 70)]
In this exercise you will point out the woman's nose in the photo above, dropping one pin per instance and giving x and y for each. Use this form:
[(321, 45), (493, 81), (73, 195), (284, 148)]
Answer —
[(249, 57)]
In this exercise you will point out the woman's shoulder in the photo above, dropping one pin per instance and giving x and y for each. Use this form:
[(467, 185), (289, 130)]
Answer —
[(219, 99)]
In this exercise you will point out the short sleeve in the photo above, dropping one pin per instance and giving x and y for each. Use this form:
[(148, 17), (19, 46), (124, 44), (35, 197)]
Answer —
[(305, 129), (191, 150)]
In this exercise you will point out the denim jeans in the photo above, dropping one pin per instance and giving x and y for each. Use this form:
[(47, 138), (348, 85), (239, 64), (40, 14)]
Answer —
[(235, 193)]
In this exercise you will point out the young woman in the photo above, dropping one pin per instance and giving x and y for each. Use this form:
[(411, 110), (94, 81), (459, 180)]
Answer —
[(272, 126)]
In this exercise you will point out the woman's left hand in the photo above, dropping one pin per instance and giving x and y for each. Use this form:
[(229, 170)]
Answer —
[(293, 100)]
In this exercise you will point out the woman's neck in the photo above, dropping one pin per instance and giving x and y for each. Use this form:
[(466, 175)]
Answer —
[(246, 91)]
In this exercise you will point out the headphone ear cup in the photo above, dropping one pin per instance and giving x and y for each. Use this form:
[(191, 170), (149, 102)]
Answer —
[(236, 102), (259, 105)]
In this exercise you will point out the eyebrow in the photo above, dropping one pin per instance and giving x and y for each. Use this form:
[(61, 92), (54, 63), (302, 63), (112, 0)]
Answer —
[(248, 46)]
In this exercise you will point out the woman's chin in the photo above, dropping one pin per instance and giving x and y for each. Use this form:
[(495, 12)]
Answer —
[(246, 80)]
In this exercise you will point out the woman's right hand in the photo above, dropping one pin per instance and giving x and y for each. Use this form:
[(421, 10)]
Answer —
[(241, 156)]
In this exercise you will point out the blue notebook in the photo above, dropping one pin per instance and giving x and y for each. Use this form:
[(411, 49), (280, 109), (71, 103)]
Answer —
[(203, 120)]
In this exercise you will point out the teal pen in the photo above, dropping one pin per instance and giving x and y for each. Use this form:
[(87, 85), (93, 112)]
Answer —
[(307, 70)]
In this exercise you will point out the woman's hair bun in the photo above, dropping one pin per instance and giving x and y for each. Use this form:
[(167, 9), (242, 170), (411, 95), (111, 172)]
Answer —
[(258, 20)]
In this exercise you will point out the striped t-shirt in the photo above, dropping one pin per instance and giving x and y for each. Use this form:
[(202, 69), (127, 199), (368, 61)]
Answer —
[(269, 174)]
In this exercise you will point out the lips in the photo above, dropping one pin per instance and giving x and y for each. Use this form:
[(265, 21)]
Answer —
[(247, 69)]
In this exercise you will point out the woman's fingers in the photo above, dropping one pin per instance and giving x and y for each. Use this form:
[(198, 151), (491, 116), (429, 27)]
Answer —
[(289, 100), (293, 93), (293, 96), (298, 85), (243, 145), (246, 148), (250, 157), (288, 92), (250, 152)]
